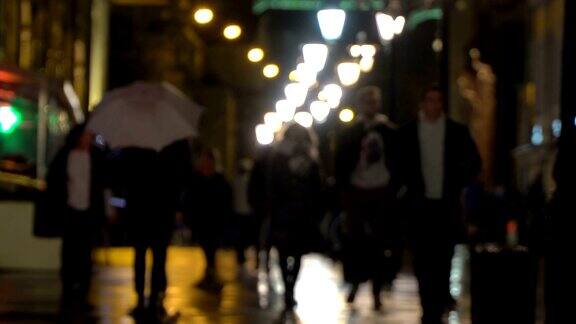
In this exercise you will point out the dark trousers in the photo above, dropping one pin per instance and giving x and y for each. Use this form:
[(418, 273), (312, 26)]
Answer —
[(159, 249), (433, 247), (76, 255), (290, 266)]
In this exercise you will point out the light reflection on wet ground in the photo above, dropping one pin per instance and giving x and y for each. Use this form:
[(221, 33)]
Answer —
[(248, 296)]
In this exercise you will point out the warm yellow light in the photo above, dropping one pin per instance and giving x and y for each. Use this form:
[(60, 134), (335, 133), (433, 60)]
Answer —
[(271, 71), (203, 16), (255, 55), (293, 76), (346, 115), (232, 32)]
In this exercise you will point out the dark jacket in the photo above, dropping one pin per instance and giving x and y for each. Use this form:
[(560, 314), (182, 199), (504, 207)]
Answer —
[(349, 148), (55, 199), (461, 161)]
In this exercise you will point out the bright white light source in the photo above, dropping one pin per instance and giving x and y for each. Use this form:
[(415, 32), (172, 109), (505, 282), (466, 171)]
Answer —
[(264, 134), (355, 51), (348, 73), (367, 50), (386, 26), (319, 110), (296, 93), (399, 23), (366, 63), (331, 23), (332, 93), (315, 56), (346, 115), (272, 120), (306, 74), (304, 118), (285, 110)]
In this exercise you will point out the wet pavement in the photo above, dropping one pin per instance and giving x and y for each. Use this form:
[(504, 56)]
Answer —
[(248, 295)]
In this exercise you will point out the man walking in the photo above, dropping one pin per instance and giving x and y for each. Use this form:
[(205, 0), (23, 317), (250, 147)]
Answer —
[(439, 159)]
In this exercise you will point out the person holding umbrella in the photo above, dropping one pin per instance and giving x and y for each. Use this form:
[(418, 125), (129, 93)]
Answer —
[(148, 126)]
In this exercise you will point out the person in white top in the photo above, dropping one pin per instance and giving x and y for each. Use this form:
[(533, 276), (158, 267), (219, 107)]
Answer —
[(364, 173), (73, 196), (439, 159)]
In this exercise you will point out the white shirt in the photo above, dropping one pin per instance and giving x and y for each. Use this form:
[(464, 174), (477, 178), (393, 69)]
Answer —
[(431, 136), (371, 174), (79, 180)]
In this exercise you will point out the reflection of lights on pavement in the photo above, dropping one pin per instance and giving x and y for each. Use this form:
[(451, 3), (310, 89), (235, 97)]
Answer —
[(255, 55), (232, 32), (203, 16), (271, 71)]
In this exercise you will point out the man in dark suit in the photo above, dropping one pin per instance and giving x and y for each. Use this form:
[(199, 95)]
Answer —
[(439, 159)]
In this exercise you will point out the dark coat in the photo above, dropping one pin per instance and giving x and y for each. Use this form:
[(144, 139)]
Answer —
[(461, 161), (296, 205), (349, 148), (443, 220), (55, 199)]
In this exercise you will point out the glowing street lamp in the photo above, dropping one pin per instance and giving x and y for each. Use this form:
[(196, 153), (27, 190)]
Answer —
[(255, 55), (272, 120), (304, 119), (296, 93), (346, 115), (264, 134), (348, 73), (203, 16), (232, 32), (386, 26), (332, 93), (271, 71), (331, 23), (367, 50), (306, 74), (315, 56), (285, 110), (366, 64), (399, 24), (319, 110), (355, 50)]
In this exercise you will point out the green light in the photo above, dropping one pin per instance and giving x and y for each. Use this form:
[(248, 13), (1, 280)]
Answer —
[(261, 6), (418, 17), (9, 119)]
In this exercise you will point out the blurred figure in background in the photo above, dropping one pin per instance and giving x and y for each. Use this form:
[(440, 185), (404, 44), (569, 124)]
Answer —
[(209, 210), (151, 183), (75, 191), (438, 160), (245, 220), (258, 199), (295, 196), (371, 243)]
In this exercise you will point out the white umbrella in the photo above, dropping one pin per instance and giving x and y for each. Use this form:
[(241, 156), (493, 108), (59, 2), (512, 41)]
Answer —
[(145, 115)]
